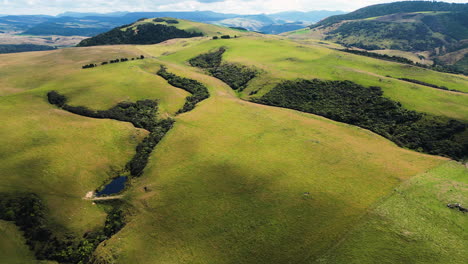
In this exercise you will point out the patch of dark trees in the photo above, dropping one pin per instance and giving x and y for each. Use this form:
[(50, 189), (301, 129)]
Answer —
[(169, 21), (141, 34), (235, 75), (198, 90), (224, 37), (27, 211), (348, 102), (14, 48), (141, 114), (429, 85), (239, 28), (93, 65), (437, 66)]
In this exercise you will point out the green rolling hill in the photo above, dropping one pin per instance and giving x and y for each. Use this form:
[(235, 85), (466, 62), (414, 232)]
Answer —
[(233, 180), (156, 30), (435, 32)]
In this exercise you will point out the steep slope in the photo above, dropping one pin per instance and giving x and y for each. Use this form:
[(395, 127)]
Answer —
[(428, 29), (152, 31), (395, 8)]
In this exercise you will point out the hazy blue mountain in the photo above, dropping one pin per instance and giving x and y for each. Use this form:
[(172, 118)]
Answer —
[(311, 17), (81, 15)]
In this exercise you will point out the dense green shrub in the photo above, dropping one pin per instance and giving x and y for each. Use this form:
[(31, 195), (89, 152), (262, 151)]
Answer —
[(198, 90), (28, 213), (208, 60), (14, 48), (348, 102), (172, 21), (235, 75)]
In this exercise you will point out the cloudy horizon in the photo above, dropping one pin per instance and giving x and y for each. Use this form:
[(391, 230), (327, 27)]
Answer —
[(54, 7)]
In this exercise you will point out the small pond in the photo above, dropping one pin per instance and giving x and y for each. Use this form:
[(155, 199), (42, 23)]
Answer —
[(115, 186)]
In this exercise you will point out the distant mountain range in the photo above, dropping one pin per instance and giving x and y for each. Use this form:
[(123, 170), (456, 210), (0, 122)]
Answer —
[(91, 24)]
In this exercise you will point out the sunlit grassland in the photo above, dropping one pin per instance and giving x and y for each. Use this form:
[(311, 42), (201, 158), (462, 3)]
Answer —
[(235, 181), (413, 224), (282, 59), (61, 156)]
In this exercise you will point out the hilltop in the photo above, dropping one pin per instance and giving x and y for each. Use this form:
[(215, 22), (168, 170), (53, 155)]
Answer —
[(422, 31), (156, 30)]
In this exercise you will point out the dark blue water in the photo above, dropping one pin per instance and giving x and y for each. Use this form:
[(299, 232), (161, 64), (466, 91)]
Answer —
[(115, 186)]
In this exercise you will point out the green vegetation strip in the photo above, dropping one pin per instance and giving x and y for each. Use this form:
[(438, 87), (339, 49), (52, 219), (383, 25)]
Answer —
[(28, 213), (235, 75), (348, 102), (429, 85), (198, 90), (435, 67)]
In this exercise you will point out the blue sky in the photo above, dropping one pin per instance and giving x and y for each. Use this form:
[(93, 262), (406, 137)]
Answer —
[(52, 7)]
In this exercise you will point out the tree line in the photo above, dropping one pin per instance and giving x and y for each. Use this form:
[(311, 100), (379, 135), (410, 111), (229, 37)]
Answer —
[(235, 75), (428, 84), (198, 90), (366, 107), (437, 66), (93, 65)]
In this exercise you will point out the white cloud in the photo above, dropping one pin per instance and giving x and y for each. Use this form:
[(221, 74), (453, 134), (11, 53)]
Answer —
[(225, 6)]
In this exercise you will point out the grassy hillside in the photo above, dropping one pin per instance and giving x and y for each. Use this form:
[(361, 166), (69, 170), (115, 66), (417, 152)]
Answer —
[(233, 181), (253, 203), (413, 223), (394, 8), (436, 30), (279, 59), (61, 163)]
